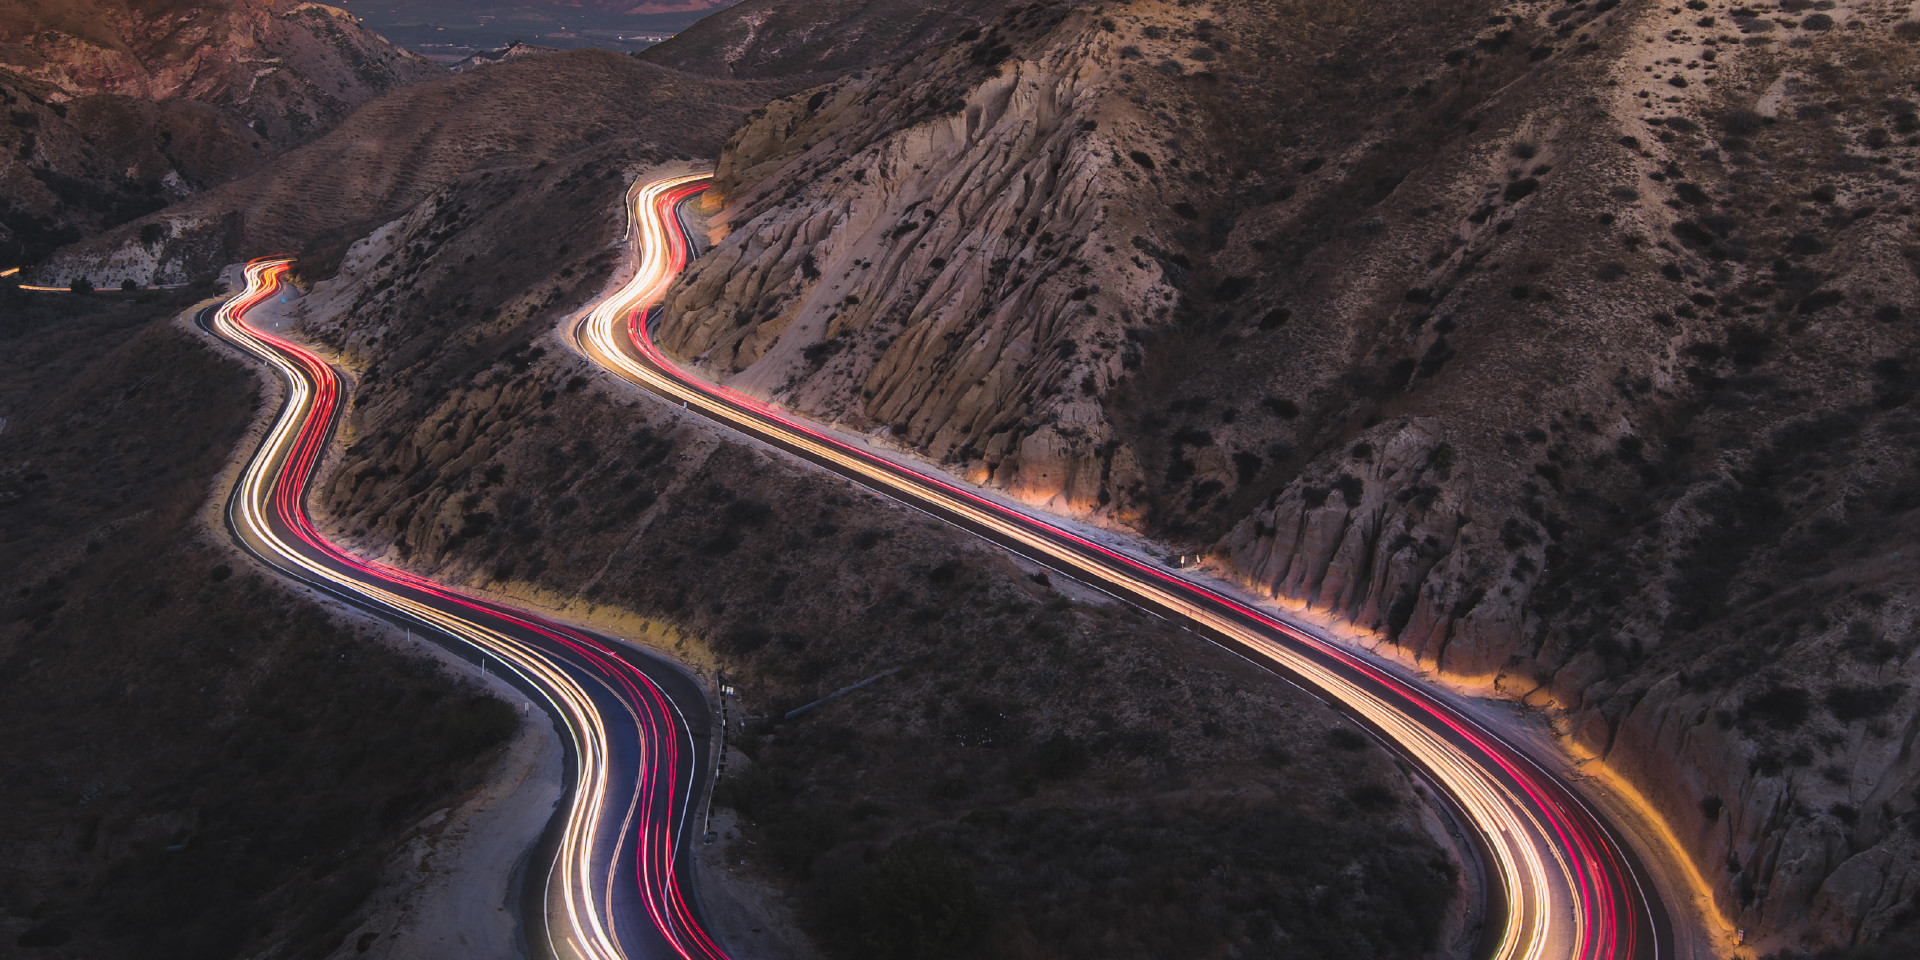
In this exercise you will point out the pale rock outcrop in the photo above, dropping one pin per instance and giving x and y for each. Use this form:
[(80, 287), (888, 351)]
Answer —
[(887, 271), (1386, 541)]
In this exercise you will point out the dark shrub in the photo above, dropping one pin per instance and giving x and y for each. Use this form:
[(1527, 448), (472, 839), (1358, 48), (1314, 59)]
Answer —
[(1782, 708), (1246, 466), (1348, 739), (1372, 797), (1232, 288), (1282, 407), (1819, 300), (1692, 234), (917, 901), (44, 935), (747, 639), (1350, 487), (1804, 245), (480, 722), (1850, 703), (1747, 346), (1742, 123), (1710, 807)]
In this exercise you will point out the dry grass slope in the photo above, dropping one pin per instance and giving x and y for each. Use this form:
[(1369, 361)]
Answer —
[(194, 763)]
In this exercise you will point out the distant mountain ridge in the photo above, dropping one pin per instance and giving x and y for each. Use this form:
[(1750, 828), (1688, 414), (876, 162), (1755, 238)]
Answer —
[(119, 107), (287, 67), (487, 58), (766, 39)]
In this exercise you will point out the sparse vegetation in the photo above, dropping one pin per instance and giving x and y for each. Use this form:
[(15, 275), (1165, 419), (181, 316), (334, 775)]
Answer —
[(245, 762)]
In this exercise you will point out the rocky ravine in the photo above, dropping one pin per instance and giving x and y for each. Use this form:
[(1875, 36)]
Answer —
[(1568, 348)]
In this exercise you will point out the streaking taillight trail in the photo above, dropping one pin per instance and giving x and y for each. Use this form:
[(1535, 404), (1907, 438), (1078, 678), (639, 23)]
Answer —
[(1561, 880), (615, 886)]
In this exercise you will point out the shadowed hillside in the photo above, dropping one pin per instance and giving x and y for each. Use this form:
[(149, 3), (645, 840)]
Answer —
[(194, 762)]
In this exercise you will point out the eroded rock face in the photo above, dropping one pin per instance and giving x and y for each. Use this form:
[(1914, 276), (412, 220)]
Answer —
[(1389, 543), (883, 263), (1543, 359)]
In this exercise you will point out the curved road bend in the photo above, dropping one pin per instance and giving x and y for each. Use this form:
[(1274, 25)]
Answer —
[(618, 884), (1561, 881)]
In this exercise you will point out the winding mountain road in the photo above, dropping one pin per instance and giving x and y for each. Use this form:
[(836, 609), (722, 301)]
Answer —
[(616, 884), (1562, 883)]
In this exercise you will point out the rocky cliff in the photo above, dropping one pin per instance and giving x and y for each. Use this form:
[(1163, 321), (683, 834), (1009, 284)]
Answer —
[(1566, 348), (118, 108)]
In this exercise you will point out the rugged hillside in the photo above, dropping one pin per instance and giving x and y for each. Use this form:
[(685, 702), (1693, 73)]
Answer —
[(194, 763), (1050, 773), (392, 154), (120, 107), (1568, 348), (284, 67), (788, 39)]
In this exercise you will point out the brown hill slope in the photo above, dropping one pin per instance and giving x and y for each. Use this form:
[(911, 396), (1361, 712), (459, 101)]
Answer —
[(119, 107), (1568, 348), (395, 151)]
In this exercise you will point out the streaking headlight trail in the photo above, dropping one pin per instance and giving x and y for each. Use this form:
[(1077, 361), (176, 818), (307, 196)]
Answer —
[(1562, 884), (617, 886)]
